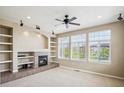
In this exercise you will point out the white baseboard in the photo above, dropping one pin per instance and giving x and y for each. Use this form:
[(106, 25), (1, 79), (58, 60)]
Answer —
[(91, 72)]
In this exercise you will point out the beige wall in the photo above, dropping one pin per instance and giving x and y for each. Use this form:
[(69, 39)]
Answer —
[(116, 67), (29, 41)]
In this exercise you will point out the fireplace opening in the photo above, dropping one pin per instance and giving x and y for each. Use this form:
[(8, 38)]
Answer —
[(42, 60)]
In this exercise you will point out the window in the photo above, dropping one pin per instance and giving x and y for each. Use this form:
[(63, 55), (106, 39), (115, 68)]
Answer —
[(78, 47), (99, 46), (63, 47)]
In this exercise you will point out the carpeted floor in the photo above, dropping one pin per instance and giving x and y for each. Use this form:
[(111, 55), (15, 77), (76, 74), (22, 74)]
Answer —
[(65, 78)]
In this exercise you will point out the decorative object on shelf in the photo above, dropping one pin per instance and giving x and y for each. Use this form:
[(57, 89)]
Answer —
[(53, 32), (37, 27), (67, 21), (120, 17), (21, 23)]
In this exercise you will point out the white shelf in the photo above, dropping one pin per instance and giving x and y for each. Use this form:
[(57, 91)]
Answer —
[(41, 50), (26, 57), (52, 46), (53, 36), (5, 51), (5, 43), (52, 51), (52, 56), (4, 35), (7, 61), (4, 70), (53, 42), (23, 63)]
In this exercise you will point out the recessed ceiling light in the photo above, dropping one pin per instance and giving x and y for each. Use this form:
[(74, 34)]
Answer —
[(99, 17), (28, 17)]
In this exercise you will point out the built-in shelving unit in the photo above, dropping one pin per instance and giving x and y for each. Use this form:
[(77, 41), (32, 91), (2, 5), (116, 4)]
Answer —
[(25, 60), (53, 49), (6, 48)]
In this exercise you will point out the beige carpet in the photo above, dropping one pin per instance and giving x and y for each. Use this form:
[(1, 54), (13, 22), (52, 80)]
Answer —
[(63, 77)]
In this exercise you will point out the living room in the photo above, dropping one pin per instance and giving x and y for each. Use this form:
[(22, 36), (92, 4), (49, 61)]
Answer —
[(77, 46)]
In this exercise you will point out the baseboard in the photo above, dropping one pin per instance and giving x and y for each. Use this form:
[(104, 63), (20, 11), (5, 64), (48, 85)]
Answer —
[(91, 72)]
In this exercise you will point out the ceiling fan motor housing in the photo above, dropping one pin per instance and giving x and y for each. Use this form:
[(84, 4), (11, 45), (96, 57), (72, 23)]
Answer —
[(66, 20)]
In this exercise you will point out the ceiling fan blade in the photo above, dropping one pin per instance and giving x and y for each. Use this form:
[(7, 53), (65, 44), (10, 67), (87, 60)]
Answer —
[(73, 18), (58, 20), (74, 24)]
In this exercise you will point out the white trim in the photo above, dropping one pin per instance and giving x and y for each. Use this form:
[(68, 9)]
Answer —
[(82, 60), (91, 72), (100, 62), (4, 35), (6, 61), (60, 58)]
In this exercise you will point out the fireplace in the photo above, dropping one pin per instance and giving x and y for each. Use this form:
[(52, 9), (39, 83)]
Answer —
[(42, 60)]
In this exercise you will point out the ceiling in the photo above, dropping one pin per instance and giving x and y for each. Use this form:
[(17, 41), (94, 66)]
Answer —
[(44, 16)]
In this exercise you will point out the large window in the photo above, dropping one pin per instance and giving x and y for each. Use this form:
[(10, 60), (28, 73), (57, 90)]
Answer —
[(97, 48), (100, 46), (78, 47), (63, 47)]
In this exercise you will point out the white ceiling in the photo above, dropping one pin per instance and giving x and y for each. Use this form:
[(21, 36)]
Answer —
[(44, 16)]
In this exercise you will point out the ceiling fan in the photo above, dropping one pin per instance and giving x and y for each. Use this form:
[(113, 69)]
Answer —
[(67, 21)]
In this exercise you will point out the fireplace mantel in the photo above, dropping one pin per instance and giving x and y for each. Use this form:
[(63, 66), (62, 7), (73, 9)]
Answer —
[(41, 50)]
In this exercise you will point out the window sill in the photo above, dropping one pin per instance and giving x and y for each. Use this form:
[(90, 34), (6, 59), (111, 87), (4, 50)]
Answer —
[(63, 58), (85, 60), (100, 62), (78, 60)]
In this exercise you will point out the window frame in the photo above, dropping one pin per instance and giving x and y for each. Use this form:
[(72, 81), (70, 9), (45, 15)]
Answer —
[(87, 48)]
